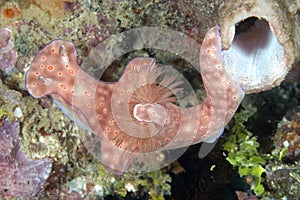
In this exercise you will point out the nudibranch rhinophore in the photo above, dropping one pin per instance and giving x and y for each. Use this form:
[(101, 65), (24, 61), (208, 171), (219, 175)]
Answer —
[(136, 118), (261, 41)]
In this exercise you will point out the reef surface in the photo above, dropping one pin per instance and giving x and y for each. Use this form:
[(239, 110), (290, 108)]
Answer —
[(46, 134)]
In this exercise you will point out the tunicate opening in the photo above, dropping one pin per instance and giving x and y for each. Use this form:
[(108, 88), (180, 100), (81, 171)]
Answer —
[(255, 59)]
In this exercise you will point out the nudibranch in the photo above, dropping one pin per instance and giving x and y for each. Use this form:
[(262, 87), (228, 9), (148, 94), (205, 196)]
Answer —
[(137, 117)]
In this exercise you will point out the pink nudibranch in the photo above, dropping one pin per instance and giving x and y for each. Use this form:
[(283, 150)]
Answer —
[(136, 116)]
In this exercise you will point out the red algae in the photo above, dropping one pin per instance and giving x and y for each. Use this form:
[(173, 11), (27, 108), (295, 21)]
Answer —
[(8, 55), (20, 176)]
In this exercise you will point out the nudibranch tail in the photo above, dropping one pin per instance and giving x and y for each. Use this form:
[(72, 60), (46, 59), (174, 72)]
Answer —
[(223, 94)]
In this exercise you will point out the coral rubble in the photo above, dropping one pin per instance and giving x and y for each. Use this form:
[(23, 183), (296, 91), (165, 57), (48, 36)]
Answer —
[(283, 181), (288, 134)]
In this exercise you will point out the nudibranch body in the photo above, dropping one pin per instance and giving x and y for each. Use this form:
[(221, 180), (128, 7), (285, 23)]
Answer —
[(136, 116)]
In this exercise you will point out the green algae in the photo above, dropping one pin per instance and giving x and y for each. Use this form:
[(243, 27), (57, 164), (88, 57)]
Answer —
[(242, 147), (3, 113)]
